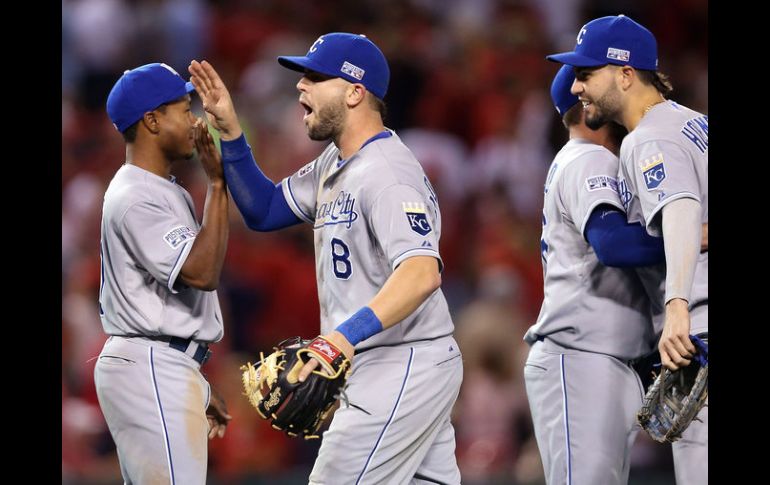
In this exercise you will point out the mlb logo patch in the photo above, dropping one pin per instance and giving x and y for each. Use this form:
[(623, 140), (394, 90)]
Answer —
[(654, 171), (618, 54), (178, 235), (352, 70), (418, 218)]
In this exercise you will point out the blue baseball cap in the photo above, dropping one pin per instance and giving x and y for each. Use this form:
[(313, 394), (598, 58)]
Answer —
[(352, 57), (141, 90), (562, 98), (612, 40)]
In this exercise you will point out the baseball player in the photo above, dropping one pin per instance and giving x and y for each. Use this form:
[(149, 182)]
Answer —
[(663, 182), (377, 226), (159, 272), (594, 324)]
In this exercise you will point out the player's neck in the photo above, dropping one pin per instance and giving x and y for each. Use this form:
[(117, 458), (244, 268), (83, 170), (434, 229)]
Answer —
[(640, 105), (149, 158), (356, 134), (597, 137)]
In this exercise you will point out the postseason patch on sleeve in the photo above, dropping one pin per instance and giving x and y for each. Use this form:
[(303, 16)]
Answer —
[(599, 182), (306, 169), (417, 216), (178, 235)]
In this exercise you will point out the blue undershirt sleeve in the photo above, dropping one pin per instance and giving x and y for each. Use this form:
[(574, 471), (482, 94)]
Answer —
[(620, 244), (260, 201)]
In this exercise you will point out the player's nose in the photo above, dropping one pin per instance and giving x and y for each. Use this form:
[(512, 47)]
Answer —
[(577, 87)]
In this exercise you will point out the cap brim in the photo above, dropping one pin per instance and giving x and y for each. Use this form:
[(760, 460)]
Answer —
[(576, 60), (302, 63), (188, 87)]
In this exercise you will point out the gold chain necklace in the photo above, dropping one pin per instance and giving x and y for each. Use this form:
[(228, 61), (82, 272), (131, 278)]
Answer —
[(649, 106)]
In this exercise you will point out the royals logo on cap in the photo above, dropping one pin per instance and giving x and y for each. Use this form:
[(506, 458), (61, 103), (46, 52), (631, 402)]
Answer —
[(616, 40), (352, 57)]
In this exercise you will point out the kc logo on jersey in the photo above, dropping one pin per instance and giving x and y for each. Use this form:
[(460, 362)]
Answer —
[(178, 235), (654, 171), (418, 219)]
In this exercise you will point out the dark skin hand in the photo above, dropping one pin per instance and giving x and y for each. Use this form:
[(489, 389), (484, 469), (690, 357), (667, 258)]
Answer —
[(217, 415)]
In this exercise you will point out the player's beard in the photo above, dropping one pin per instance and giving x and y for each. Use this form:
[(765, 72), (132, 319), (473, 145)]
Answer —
[(329, 121), (604, 108)]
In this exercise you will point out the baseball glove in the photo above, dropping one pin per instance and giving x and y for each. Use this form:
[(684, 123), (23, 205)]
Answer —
[(297, 408), (675, 398)]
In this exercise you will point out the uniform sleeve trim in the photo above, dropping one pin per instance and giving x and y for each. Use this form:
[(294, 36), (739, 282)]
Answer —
[(293, 205), (591, 208), (667, 200), (178, 264), (410, 253)]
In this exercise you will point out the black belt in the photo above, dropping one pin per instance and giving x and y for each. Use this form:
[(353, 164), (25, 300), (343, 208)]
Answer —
[(202, 353)]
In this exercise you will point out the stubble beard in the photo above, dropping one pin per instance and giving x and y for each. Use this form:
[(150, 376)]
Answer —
[(329, 122), (605, 109)]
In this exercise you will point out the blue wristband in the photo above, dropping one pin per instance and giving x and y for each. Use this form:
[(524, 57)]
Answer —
[(359, 327)]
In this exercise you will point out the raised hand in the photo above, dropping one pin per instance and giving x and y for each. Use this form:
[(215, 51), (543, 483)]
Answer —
[(210, 158), (216, 99)]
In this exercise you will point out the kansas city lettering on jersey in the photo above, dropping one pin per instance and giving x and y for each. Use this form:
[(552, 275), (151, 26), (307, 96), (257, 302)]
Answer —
[(653, 170), (338, 211), (624, 193), (697, 131)]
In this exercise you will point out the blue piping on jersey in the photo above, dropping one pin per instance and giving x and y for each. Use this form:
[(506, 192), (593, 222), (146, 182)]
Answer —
[(566, 418), (393, 413), (294, 202), (383, 134), (176, 270), (400, 258), (162, 420)]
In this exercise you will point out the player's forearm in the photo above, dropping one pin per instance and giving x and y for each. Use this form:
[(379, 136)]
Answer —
[(259, 200), (620, 244), (407, 288), (682, 239), (204, 263)]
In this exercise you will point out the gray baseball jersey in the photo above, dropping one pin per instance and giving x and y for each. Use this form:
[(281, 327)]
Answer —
[(666, 158), (663, 159), (593, 320), (153, 396), (587, 306), (148, 228), (369, 214)]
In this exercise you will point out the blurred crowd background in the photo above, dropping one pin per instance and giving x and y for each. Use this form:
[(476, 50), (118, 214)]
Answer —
[(468, 94)]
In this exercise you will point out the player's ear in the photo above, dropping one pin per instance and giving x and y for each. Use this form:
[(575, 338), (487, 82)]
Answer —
[(150, 121), (627, 76), (355, 95)]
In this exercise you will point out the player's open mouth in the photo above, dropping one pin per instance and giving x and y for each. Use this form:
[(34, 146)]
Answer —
[(308, 109)]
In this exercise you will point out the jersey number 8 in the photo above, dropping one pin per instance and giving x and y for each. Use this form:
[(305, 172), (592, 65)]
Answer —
[(341, 259)]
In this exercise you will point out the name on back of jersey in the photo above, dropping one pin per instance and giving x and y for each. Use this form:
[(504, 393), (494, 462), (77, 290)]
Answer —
[(697, 131)]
